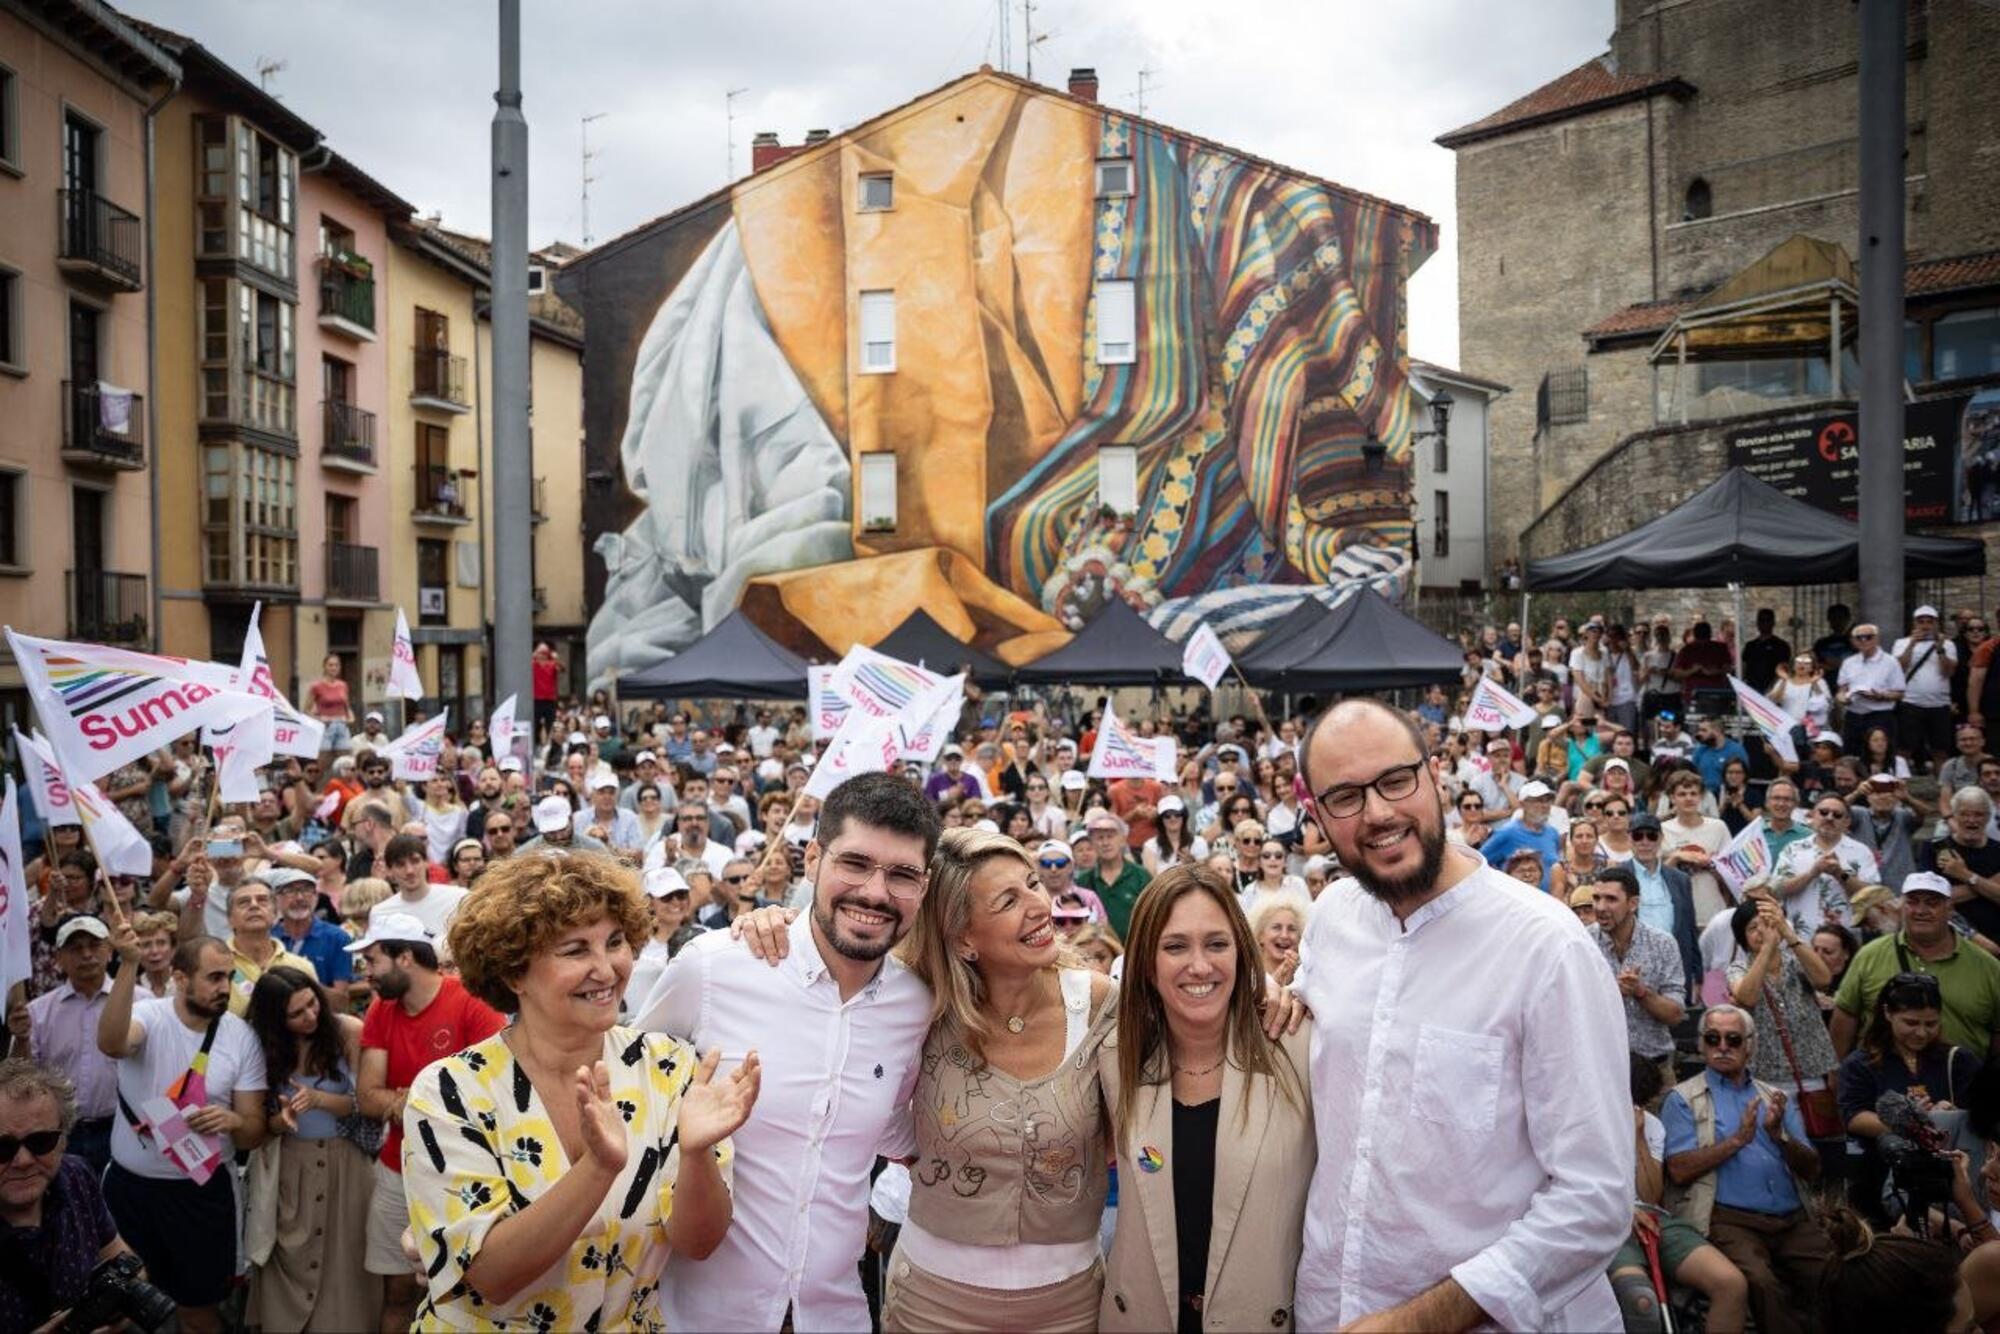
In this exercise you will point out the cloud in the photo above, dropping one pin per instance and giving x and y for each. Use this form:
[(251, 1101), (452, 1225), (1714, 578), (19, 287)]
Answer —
[(1350, 92)]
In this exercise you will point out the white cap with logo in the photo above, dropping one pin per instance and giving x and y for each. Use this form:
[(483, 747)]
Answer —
[(391, 926)]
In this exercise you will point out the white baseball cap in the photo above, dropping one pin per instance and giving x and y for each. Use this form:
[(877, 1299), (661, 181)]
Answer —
[(601, 723), (576, 739), (1074, 781), (1172, 804), (83, 924), (605, 778), (1925, 882), (372, 716), (1616, 763), (750, 840), (1926, 610), (1055, 847), (510, 764), (645, 755), (664, 880), (552, 813), (1882, 780), (1536, 788), (388, 926)]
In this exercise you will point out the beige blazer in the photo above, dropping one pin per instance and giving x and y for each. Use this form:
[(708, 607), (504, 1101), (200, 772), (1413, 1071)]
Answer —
[(1263, 1168)]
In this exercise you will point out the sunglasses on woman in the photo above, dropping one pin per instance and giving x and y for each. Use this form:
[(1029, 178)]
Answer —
[(1903, 991)]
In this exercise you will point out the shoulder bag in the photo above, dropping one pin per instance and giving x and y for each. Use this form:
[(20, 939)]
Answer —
[(1819, 1109)]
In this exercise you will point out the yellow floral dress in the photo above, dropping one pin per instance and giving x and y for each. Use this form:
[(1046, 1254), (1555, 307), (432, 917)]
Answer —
[(479, 1146)]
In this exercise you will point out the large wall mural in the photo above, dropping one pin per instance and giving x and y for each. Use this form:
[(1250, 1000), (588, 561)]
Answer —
[(1266, 407)]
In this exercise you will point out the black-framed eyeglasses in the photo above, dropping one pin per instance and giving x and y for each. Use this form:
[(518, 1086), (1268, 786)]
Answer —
[(1614, 810), (1911, 991), (37, 1142), (1712, 1038), (1393, 784), (1831, 813), (1645, 836), (734, 879)]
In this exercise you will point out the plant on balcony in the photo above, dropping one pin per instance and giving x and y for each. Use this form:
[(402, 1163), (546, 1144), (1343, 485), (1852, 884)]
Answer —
[(355, 266)]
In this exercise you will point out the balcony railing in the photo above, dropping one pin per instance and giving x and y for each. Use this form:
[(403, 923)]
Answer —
[(440, 492), (100, 237), (347, 433), (352, 572), (106, 429), (106, 607), (346, 296), (439, 379)]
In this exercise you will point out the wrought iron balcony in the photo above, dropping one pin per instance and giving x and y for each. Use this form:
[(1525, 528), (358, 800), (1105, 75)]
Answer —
[(103, 430), (97, 239), (107, 607), (352, 572), (347, 435), (438, 381), (441, 494), (346, 299)]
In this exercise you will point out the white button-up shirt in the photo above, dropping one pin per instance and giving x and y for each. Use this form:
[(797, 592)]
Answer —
[(837, 1081), (1471, 1097), (1870, 671)]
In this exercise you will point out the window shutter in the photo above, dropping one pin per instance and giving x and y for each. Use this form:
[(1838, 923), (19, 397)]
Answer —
[(1118, 478), (878, 331), (878, 493), (1116, 323)]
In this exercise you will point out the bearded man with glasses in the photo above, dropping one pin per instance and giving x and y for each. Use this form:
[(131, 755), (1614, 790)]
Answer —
[(1816, 876), (1738, 1164), (1465, 1018), (839, 1028)]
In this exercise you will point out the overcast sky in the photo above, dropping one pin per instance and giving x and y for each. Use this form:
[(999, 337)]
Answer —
[(1348, 91)]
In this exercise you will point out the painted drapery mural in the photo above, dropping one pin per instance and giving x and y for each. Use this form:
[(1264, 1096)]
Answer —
[(1266, 406)]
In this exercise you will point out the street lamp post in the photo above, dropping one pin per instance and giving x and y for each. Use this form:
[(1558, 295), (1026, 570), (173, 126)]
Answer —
[(509, 672)]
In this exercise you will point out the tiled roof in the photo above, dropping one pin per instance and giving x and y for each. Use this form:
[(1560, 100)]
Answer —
[(1591, 85), (1949, 275), (1928, 277), (1042, 90)]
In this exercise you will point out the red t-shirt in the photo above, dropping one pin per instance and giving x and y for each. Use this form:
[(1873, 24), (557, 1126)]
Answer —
[(1127, 794), (329, 698), (546, 672), (455, 1019)]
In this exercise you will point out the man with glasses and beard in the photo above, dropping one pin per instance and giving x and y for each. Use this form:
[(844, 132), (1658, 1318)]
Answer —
[(1465, 1018), (1816, 876), (838, 1071)]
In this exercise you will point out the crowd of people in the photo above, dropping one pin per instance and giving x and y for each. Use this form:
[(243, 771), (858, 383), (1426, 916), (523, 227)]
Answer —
[(627, 1031)]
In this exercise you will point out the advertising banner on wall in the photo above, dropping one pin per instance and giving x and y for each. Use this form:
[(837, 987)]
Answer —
[(1814, 459)]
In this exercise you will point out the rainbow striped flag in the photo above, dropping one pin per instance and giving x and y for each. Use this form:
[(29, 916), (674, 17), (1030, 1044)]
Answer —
[(106, 707), (1772, 721), (881, 686), (1745, 858)]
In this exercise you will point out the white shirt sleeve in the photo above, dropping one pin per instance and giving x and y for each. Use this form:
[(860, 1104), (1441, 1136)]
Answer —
[(674, 1007), (1575, 1079)]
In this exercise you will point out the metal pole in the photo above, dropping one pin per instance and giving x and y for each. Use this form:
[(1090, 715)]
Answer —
[(1880, 447), (509, 672)]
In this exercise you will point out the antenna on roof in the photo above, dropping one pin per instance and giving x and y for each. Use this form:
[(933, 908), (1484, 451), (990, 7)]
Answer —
[(1030, 39), (588, 155), (266, 68), (1003, 23), (729, 113), (1145, 75)]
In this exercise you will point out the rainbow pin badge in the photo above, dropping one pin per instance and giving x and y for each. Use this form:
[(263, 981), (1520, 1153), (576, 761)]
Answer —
[(1151, 1159)]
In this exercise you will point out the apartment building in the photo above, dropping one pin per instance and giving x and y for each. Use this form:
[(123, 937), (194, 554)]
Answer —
[(78, 91)]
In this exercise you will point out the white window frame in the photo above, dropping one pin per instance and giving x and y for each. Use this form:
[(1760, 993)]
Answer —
[(861, 184), (874, 307), (538, 279), (1117, 312), (1118, 478), (1105, 167), (875, 492), (10, 292), (10, 121), (23, 510)]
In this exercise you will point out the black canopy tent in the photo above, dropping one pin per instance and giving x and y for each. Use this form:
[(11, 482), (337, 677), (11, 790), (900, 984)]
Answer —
[(921, 640), (1365, 643), (1279, 641), (1117, 648), (735, 660), (1740, 530)]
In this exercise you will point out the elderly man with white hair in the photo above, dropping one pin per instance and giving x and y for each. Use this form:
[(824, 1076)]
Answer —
[(1969, 857)]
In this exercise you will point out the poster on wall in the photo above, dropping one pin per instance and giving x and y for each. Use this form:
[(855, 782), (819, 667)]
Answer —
[(1814, 459), (1979, 450)]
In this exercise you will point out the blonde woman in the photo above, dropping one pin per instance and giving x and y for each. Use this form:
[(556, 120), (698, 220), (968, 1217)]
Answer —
[(1099, 945), (1217, 1119), (1580, 860), (1014, 1039), (1277, 927)]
